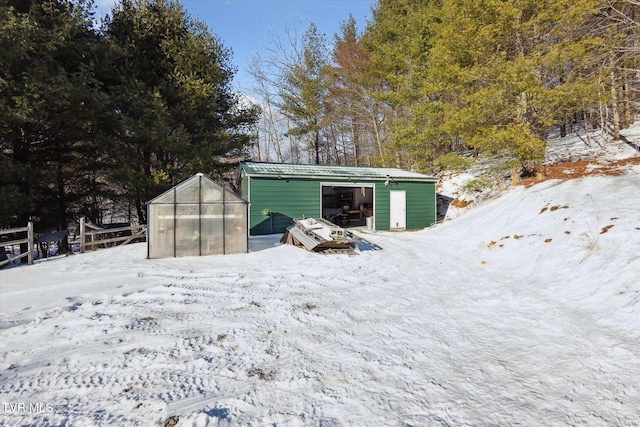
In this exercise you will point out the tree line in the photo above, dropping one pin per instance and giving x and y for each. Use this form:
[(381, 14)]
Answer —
[(430, 85), (98, 118)]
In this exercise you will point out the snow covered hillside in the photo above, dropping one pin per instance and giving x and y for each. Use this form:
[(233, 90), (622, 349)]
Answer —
[(522, 311)]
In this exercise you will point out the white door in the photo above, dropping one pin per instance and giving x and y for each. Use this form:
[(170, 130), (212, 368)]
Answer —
[(398, 209)]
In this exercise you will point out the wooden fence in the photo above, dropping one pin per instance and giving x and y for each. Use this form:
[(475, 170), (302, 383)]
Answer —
[(27, 240), (98, 236), (92, 239)]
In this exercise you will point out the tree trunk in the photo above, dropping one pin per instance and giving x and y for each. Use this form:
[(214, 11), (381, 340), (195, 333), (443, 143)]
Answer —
[(258, 151), (629, 101), (62, 196), (142, 215), (623, 105), (316, 143), (614, 104), (585, 124), (356, 143), (603, 128), (146, 155), (376, 131)]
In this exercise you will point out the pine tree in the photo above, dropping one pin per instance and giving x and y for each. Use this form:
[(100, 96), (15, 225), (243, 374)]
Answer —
[(399, 43), (49, 101), (303, 91), (169, 84), (617, 26), (507, 70)]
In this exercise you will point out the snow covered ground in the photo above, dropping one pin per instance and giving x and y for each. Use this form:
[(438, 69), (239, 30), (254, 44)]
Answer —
[(575, 147), (523, 311)]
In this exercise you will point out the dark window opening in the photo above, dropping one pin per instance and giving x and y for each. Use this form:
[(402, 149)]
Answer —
[(347, 206)]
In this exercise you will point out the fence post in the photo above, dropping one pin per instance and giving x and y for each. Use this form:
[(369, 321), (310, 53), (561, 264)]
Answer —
[(30, 243), (82, 231)]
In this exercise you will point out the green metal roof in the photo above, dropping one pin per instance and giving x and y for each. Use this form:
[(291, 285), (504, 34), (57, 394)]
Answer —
[(282, 170)]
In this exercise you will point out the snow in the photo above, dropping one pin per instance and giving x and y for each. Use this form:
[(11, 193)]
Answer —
[(577, 145), (573, 147), (524, 310)]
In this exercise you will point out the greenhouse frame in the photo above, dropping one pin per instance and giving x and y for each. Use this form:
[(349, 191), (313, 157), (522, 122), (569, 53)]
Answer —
[(195, 218)]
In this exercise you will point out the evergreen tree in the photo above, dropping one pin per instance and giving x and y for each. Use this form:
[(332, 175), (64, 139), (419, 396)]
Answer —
[(303, 90), (506, 70), (482, 76), (168, 80), (399, 42), (48, 102), (493, 76), (617, 25)]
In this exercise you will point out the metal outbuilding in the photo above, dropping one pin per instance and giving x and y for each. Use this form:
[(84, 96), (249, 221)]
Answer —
[(380, 198), (196, 217)]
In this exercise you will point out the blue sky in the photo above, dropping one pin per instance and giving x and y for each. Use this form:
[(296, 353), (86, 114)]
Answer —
[(245, 26)]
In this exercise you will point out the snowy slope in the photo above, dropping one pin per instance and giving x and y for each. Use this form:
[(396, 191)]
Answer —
[(576, 153), (523, 311)]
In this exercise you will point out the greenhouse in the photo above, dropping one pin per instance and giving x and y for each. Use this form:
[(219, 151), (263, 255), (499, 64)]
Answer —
[(196, 217)]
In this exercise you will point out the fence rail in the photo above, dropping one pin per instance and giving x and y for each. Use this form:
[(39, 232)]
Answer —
[(95, 235), (28, 240), (134, 232)]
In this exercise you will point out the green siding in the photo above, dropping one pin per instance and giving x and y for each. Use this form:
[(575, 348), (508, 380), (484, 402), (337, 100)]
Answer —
[(381, 209), (244, 187), (421, 204), (284, 199), (297, 198)]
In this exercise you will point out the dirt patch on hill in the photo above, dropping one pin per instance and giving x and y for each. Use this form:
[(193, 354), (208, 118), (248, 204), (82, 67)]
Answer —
[(458, 203), (578, 169)]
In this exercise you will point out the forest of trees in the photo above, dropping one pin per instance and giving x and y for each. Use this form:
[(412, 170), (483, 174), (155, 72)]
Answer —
[(97, 117), (104, 117), (430, 85)]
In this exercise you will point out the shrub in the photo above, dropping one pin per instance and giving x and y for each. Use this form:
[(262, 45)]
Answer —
[(453, 162), (478, 185)]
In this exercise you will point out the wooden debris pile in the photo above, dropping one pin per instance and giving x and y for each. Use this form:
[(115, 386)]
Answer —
[(320, 236)]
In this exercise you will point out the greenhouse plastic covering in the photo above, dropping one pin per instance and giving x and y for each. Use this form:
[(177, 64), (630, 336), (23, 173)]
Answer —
[(196, 217)]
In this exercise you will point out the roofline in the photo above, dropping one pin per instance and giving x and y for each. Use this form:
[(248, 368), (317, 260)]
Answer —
[(426, 178), (335, 177), (197, 175)]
